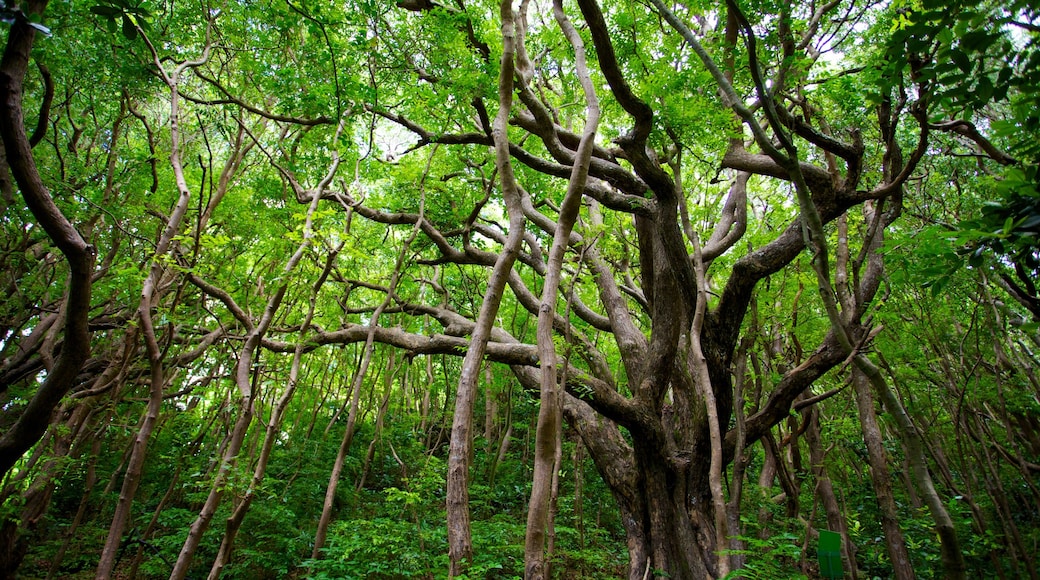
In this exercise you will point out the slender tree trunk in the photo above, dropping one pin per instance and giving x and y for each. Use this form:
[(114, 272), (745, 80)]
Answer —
[(146, 534), (554, 496), (150, 294), (216, 492), (490, 413), (548, 433), (1021, 554), (88, 487), (825, 492), (63, 441), (697, 367), (359, 377), (578, 465), (879, 475), (35, 416), (740, 461), (427, 399), (135, 467), (766, 477), (460, 542), (175, 484), (337, 469), (246, 380), (952, 556), (274, 423), (502, 449), (378, 430)]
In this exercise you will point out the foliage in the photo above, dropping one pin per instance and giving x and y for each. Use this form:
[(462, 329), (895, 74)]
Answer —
[(386, 109)]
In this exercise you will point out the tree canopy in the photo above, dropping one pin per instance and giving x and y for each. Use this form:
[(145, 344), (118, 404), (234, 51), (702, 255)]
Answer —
[(535, 288)]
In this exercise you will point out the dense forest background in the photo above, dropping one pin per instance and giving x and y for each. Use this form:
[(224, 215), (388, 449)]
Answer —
[(541, 289)]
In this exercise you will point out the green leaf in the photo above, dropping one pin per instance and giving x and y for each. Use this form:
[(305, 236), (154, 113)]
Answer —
[(1009, 224), (961, 59), (106, 11), (975, 261), (978, 40), (983, 91), (129, 30)]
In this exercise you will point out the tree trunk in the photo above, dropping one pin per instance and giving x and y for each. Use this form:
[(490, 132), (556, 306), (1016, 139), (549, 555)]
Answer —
[(216, 492), (741, 460), (35, 416), (460, 541), (674, 541), (879, 475), (36, 499), (378, 428), (175, 484), (88, 487), (825, 491), (578, 465), (274, 423), (151, 292), (135, 468), (337, 469), (549, 430), (662, 535), (952, 557), (1020, 553)]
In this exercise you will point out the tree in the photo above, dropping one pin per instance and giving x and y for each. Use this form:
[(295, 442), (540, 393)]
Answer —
[(18, 159), (596, 202)]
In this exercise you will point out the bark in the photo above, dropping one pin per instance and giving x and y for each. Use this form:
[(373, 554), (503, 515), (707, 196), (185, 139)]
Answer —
[(88, 487), (879, 475), (377, 432), (175, 484), (740, 462), (952, 556), (57, 447), (548, 432), (216, 492), (1021, 554), (578, 465), (460, 543), (150, 294), (697, 367), (337, 469), (34, 418), (247, 382)]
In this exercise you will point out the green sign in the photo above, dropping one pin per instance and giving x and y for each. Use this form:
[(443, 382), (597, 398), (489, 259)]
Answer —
[(829, 553)]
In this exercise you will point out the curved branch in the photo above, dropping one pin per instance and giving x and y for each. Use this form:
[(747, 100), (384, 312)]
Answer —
[(45, 107), (80, 255), (232, 100), (966, 129), (733, 224)]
